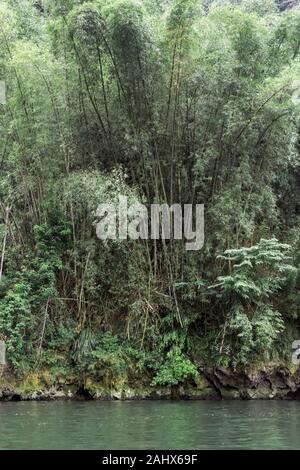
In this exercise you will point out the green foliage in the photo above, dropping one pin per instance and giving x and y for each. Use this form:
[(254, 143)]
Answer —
[(177, 101), (176, 370), (103, 358), (15, 321), (249, 293)]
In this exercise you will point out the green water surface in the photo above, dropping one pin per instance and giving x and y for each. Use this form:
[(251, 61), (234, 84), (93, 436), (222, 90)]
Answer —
[(150, 425)]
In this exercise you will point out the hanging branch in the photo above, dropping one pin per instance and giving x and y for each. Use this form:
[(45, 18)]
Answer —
[(7, 212)]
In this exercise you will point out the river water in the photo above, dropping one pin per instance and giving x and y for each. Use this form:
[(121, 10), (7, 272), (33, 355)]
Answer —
[(150, 425)]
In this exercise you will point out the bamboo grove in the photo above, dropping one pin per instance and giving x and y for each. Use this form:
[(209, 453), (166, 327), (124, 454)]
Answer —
[(180, 101)]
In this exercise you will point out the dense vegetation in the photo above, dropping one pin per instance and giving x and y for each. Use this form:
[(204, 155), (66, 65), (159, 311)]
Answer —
[(177, 101)]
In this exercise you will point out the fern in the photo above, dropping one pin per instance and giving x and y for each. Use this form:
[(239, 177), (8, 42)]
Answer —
[(258, 274)]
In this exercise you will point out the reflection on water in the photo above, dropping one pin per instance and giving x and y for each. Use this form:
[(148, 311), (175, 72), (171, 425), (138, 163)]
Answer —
[(150, 425)]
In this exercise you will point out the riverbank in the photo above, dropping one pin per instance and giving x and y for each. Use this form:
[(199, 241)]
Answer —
[(266, 382)]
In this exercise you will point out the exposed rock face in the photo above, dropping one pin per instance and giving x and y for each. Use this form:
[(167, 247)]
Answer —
[(267, 382), (287, 4), (9, 393)]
